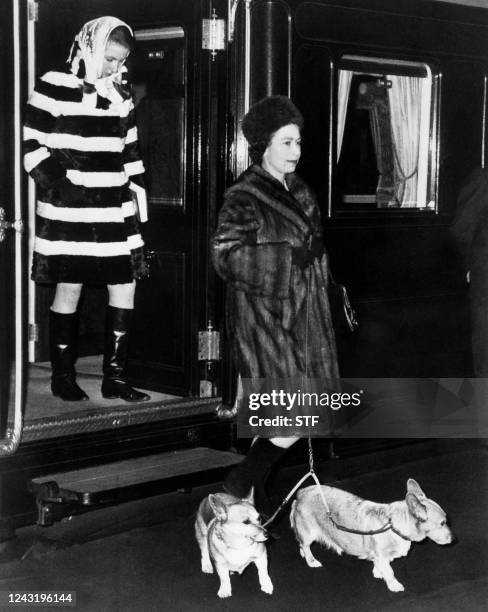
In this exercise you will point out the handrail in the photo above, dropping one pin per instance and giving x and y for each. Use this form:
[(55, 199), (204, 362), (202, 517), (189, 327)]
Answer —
[(11, 441)]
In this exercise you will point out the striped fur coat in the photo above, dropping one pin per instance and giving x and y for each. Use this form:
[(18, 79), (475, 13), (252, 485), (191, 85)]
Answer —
[(86, 142), (267, 296)]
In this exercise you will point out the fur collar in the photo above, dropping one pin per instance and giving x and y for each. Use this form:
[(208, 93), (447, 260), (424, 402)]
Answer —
[(297, 204)]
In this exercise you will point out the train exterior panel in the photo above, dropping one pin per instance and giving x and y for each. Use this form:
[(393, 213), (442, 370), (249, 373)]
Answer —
[(394, 97)]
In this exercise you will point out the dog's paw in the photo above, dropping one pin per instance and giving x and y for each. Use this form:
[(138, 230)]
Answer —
[(207, 567), (377, 573), (224, 592), (313, 562), (267, 587), (395, 586)]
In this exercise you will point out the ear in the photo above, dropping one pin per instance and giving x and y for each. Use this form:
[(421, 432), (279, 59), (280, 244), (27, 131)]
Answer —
[(218, 508), (250, 496), (414, 487), (415, 507)]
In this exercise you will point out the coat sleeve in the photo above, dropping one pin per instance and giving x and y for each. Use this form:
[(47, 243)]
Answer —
[(40, 118), (243, 261), (472, 208), (131, 157), (133, 165)]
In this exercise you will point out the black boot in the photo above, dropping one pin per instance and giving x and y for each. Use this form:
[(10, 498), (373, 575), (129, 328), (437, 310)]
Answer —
[(114, 384), (253, 471), (62, 342)]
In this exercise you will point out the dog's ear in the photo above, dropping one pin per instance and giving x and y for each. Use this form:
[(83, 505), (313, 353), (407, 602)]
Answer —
[(415, 507), (218, 507), (250, 496), (414, 487)]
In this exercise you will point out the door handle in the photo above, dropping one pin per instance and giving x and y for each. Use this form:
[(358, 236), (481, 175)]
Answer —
[(17, 226)]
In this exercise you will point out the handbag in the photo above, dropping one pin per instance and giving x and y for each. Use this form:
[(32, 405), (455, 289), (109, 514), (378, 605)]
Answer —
[(343, 314)]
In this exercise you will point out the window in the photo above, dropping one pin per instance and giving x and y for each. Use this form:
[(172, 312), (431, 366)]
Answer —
[(385, 135)]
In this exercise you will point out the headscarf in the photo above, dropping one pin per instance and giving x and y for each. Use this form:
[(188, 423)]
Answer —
[(92, 40)]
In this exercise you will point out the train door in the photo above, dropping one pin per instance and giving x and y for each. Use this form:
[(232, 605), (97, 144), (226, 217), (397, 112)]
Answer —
[(180, 105)]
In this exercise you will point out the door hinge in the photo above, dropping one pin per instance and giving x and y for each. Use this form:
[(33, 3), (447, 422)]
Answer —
[(33, 11), (33, 332)]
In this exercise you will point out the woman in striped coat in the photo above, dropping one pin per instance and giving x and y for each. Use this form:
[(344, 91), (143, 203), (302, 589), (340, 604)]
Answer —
[(81, 150)]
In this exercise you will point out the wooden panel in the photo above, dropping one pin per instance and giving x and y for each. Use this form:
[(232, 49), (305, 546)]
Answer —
[(463, 117), (410, 27), (159, 335), (311, 69)]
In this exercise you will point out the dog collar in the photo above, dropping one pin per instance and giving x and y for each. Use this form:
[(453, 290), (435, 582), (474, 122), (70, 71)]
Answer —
[(220, 537), (399, 533)]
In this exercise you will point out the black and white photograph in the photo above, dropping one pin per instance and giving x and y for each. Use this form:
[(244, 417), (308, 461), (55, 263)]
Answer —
[(244, 305)]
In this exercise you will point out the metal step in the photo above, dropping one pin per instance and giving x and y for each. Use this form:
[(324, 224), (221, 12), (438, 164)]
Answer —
[(129, 479)]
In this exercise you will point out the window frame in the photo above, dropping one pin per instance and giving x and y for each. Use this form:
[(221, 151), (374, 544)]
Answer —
[(395, 64)]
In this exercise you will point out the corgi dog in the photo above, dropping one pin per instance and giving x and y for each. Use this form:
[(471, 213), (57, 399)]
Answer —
[(230, 537), (397, 525)]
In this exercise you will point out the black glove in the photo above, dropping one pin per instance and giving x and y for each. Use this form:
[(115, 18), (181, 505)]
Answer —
[(301, 256), (316, 247), (68, 193)]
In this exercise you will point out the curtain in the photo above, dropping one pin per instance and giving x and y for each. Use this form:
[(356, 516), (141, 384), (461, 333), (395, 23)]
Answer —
[(405, 97), (345, 78)]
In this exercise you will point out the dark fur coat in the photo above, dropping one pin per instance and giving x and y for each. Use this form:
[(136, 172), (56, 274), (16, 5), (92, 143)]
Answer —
[(278, 315)]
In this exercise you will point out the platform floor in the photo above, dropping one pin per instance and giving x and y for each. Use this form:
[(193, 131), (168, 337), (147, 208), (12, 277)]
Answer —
[(143, 555)]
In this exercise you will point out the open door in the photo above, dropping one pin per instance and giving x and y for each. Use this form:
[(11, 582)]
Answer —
[(175, 85), (161, 339)]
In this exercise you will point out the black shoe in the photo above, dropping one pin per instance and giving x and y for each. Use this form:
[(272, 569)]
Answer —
[(114, 384), (66, 388), (62, 346), (119, 389)]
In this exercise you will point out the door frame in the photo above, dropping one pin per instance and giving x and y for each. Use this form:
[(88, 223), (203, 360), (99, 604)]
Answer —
[(10, 442)]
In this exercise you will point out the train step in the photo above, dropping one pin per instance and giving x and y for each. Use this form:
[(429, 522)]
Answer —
[(60, 494)]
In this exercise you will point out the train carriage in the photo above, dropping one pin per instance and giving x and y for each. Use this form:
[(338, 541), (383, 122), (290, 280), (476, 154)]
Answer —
[(394, 97)]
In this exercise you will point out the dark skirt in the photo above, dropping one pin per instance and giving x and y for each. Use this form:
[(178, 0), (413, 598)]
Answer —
[(91, 270)]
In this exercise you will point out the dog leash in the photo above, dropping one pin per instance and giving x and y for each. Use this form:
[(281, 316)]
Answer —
[(311, 473)]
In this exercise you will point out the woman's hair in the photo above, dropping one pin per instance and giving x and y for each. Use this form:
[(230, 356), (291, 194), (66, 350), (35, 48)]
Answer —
[(264, 119), (122, 36)]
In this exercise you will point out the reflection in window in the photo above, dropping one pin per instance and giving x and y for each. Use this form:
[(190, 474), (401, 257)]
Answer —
[(159, 96), (384, 153)]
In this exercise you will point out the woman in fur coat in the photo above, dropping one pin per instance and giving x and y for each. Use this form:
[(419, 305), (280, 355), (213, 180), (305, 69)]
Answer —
[(81, 150), (268, 248)]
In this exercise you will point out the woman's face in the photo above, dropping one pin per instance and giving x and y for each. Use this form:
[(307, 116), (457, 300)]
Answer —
[(283, 152), (114, 58)]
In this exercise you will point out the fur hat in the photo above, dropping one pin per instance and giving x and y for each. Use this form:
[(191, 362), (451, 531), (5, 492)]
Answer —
[(264, 119)]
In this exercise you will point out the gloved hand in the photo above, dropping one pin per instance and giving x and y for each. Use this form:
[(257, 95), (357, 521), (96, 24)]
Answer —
[(69, 193), (301, 256)]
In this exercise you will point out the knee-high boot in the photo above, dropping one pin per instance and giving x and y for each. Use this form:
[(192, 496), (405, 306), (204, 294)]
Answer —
[(63, 331), (114, 384), (253, 471)]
